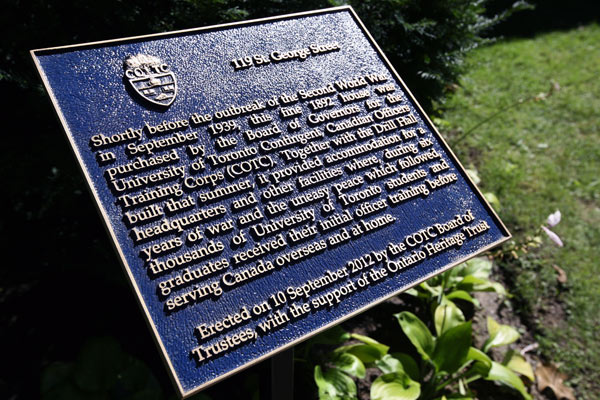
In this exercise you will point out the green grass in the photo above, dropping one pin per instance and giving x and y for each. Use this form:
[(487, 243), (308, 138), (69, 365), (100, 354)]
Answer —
[(537, 156)]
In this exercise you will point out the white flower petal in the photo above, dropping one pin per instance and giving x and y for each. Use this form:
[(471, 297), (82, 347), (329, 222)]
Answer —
[(554, 218), (553, 236)]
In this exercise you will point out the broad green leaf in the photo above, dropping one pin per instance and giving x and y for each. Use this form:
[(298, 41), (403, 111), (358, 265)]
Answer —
[(498, 288), (398, 362), (462, 295), (334, 384), (493, 200), (479, 267), (500, 335), (409, 364), (472, 173), (395, 386), (382, 348), (432, 290), (471, 283), (412, 292), (333, 336), (365, 352), (517, 363), (350, 364), (454, 396), (482, 364), (447, 316), (435, 280), (500, 373), (417, 333), (452, 347), (389, 364), (454, 275), (478, 355), (478, 369)]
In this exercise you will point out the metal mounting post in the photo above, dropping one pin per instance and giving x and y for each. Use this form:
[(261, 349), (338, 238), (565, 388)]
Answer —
[(282, 375)]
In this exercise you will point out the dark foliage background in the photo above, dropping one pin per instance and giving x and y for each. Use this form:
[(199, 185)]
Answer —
[(69, 325)]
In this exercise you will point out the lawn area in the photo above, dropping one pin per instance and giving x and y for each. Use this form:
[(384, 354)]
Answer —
[(540, 154)]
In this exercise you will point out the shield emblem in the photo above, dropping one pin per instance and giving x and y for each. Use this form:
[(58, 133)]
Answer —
[(151, 79)]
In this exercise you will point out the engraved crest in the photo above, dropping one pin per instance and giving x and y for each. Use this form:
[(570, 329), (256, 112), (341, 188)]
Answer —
[(151, 78)]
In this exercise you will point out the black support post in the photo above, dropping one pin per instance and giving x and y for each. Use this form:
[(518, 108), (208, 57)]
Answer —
[(282, 375)]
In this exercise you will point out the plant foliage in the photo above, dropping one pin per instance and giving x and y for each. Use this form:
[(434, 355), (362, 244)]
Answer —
[(446, 362)]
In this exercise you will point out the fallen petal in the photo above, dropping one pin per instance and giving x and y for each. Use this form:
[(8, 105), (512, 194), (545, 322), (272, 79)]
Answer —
[(554, 218), (553, 236)]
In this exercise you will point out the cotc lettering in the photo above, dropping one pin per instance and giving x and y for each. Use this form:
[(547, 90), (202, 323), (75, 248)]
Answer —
[(143, 71)]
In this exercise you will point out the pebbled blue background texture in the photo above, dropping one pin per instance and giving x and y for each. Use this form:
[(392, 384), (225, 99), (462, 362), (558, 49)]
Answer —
[(87, 87)]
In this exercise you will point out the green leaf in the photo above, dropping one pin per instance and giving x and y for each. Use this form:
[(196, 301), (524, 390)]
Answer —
[(447, 316), (472, 173), (334, 384), (517, 363), (500, 373), (478, 370), (398, 362), (388, 364), (417, 333), (493, 200), (478, 355), (452, 347), (482, 364), (462, 295), (382, 348), (365, 352), (395, 386), (471, 283), (432, 290), (479, 267), (409, 364), (350, 364), (500, 335), (333, 336)]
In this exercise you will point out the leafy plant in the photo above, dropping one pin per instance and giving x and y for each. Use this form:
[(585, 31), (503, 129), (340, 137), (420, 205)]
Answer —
[(446, 365), (457, 284)]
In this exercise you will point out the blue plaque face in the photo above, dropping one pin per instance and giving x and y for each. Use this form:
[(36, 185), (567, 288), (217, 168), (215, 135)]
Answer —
[(262, 181)]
